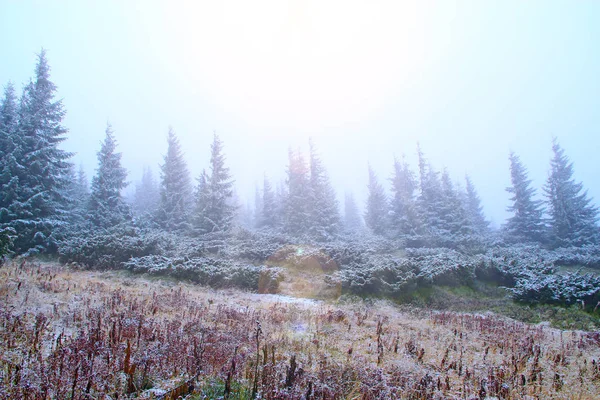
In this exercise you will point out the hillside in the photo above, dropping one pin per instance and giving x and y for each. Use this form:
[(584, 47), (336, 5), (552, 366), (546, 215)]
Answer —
[(69, 333)]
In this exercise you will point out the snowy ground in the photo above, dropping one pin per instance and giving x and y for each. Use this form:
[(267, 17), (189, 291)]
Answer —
[(370, 350)]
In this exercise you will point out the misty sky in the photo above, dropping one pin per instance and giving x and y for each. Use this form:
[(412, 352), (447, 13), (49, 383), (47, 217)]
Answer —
[(366, 80)]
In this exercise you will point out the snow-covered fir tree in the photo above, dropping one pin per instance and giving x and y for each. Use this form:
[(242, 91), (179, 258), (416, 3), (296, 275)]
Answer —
[(573, 217), (214, 211), (175, 188), (454, 216), (473, 208), (526, 222), (9, 165), (245, 216), (430, 200), (243, 213), (323, 204), (297, 216), (107, 207), (78, 195), (404, 218), (268, 213), (38, 167), (352, 220), (146, 197), (281, 195), (376, 213), (258, 206)]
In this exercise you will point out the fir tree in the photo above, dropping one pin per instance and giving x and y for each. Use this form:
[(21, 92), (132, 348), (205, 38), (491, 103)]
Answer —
[(214, 210), (269, 206), (8, 123), (572, 216), (297, 206), (258, 207), (323, 204), (146, 198), (38, 169), (376, 215), (78, 195), (107, 207), (9, 165), (430, 201), (352, 220), (474, 210), (175, 188), (404, 219), (526, 222), (281, 196), (453, 215)]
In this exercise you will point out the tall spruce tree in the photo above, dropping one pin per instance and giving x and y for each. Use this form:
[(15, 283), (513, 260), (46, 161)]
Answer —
[(526, 222), (431, 198), (268, 213), (9, 164), (9, 168), (40, 169), (175, 188), (323, 204), (281, 196), (377, 211), (78, 195), (573, 219), (258, 207), (214, 209), (297, 206), (107, 207), (404, 218), (352, 220), (474, 210), (146, 198), (454, 216)]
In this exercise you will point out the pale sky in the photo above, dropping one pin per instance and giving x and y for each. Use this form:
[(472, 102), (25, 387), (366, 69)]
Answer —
[(367, 80)]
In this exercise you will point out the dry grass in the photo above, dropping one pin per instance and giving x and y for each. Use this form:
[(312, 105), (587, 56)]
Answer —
[(81, 334)]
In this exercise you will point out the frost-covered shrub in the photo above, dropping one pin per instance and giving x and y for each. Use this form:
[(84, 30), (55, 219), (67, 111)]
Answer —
[(109, 248), (379, 275), (254, 247), (507, 265), (558, 289), (217, 273), (585, 256), (389, 275), (6, 236)]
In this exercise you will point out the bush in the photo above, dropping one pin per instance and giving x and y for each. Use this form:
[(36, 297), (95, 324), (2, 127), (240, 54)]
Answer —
[(109, 248), (211, 272)]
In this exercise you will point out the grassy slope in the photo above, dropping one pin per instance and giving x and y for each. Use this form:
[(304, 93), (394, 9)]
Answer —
[(369, 349), (482, 297)]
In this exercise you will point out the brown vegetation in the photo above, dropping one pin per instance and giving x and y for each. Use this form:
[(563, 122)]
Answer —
[(81, 334)]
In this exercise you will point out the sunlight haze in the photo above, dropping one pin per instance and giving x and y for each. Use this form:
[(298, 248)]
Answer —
[(470, 81)]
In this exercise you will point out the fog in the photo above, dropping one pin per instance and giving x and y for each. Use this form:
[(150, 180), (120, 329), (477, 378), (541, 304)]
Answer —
[(366, 80)]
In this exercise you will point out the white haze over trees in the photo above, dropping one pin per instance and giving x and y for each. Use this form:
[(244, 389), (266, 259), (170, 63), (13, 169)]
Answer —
[(215, 214), (365, 81)]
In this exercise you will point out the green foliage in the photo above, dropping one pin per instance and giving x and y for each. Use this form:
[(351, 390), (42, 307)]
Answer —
[(572, 216), (107, 207), (175, 188), (6, 238), (214, 209), (526, 222), (108, 249)]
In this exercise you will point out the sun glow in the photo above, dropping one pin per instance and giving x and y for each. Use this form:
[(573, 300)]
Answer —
[(311, 64)]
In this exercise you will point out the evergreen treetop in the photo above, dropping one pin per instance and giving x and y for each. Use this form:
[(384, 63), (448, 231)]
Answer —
[(572, 216), (526, 222), (107, 207)]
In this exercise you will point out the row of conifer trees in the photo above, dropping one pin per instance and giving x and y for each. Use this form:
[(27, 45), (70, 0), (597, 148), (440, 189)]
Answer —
[(43, 198)]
